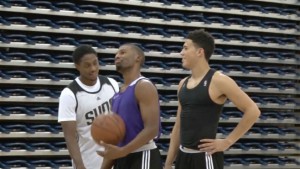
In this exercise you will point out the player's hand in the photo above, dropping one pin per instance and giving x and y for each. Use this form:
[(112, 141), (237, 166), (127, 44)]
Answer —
[(213, 145), (111, 152)]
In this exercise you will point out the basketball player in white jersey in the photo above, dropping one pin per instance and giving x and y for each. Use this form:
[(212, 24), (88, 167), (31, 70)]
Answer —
[(88, 96)]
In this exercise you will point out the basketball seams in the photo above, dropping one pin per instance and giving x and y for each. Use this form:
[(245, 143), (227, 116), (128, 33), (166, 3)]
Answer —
[(109, 128)]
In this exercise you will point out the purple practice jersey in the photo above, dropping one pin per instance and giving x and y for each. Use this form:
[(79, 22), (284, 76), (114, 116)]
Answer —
[(125, 105)]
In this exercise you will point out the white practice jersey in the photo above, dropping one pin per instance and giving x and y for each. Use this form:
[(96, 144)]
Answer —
[(89, 102)]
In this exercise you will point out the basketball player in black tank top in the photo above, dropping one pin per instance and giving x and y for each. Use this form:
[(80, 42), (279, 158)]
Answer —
[(201, 98)]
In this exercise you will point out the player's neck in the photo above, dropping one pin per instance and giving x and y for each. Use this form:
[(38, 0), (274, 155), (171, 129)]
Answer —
[(200, 71), (130, 76)]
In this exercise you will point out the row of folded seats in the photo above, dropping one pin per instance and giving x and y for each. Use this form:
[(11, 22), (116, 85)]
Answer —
[(8, 56), (57, 41), (166, 130), (20, 20), (56, 76), (225, 115), (54, 93), (59, 146), (166, 114), (57, 6)]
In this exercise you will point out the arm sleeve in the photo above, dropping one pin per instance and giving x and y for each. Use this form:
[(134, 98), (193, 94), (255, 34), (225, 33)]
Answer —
[(115, 84), (66, 107)]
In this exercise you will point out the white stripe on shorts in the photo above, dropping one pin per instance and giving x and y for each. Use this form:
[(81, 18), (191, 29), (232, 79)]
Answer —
[(208, 161), (146, 159)]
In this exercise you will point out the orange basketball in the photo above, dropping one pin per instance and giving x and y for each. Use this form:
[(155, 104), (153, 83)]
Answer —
[(109, 128)]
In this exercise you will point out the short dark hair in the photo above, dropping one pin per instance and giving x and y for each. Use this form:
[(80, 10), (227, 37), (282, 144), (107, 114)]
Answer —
[(82, 50), (138, 50), (203, 39)]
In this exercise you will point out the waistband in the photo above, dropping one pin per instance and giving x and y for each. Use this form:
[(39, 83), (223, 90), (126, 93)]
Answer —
[(189, 150), (149, 146)]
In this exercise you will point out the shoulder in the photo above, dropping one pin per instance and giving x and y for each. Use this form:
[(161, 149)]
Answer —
[(223, 82), (219, 78), (114, 83), (66, 93), (145, 83)]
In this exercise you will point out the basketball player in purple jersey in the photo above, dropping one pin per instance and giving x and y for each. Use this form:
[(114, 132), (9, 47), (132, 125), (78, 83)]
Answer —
[(201, 98), (138, 105)]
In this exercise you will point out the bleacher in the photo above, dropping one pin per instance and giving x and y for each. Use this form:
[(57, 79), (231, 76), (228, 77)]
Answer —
[(257, 44)]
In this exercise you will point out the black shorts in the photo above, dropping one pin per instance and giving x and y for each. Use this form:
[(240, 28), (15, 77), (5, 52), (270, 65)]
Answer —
[(199, 160), (148, 159)]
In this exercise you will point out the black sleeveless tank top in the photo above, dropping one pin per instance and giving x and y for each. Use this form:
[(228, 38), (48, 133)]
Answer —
[(199, 115)]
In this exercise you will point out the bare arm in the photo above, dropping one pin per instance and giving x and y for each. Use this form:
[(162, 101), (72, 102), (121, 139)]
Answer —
[(107, 164), (244, 103), (70, 134), (175, 136), (225, 86)]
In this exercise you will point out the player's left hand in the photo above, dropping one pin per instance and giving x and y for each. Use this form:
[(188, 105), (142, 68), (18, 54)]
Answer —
[(213, 145), (110, 151)]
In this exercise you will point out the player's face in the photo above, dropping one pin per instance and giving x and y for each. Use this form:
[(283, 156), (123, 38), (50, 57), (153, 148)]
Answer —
[(88, 68), (125, 58), (189, 54)]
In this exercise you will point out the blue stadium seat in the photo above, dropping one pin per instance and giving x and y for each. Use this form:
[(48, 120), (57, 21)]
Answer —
[(43, 40), (236, 36), (18, 38), (157, 14), (178, 16), (198, 18), (17, 128), (44, 22), (4, 21), (66, 41), (44, 163), (155, 47), (45, 92), (134, 12), (18, 164), (43, 57), (18, 92), (239, 6), (155, 64), (45, 5), (91, 42), (217, 4), (91, 25), (113, 10), (22, 3), (114, 27), (217, 19), (20, 20), (199, 3), (234, 52), (239, 68), (254, 53), (17, 110), (237, 21), (156, 31), (111, 44), (19, 56), (63, 58), (253, 83), (91, 8), (68, 6), (43, 146), (175, 32), (136, 29), (255, 22), (68, 24), (65, 76), (18, 146), (44, 75), (257, 8)]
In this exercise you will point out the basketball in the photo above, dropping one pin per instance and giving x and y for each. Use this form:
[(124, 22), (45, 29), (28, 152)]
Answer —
[(109, 128)]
